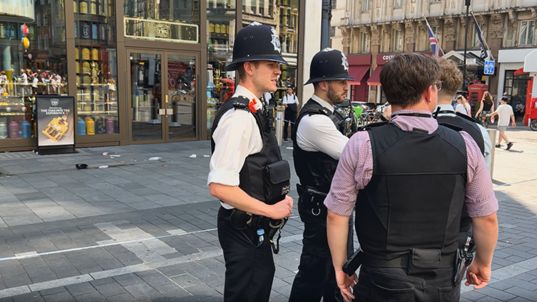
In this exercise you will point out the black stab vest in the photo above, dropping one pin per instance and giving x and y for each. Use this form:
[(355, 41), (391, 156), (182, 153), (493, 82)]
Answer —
[(314, 169), (252, 172), (464, 123), (416, 194)]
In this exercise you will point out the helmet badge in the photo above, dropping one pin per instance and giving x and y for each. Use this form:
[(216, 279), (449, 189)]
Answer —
[(275, 40), (344, 62)]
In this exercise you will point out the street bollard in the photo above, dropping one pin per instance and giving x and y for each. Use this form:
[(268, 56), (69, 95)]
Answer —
[(492, 136), (278, 125)]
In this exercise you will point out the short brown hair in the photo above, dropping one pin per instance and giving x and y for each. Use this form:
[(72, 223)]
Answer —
[(242, 72), (451, 77), (407, 76)]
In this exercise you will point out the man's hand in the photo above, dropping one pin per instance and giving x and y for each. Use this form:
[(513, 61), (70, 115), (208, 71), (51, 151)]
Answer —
[(346, 284), (282, 208), (513, 124), (478, 275)]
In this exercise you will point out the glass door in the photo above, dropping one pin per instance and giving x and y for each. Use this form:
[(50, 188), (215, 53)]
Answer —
[(180, 99), (146, 96)]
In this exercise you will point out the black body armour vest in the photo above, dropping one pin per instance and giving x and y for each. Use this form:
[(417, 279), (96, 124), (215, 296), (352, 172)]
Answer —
[(462, 122), (416, 193), (314, 169), (253, 170)]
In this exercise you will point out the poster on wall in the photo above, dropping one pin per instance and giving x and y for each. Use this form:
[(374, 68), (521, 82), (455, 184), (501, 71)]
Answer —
[(55, 122)]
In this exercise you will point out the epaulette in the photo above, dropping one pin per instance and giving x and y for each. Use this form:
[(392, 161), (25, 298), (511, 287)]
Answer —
[(372, 125), (468, 118), (240, 102)]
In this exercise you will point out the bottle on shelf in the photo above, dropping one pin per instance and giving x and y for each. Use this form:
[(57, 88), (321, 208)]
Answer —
[(110, 125), (100, 125), (93, 7), (26, 129), (83, 9), (81, 127), (90, 126), (3, 128), (14, 129)]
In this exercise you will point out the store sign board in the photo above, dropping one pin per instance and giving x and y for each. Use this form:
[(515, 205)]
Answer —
[(488, 67), (17, 10), (146, 29), (55, 121)]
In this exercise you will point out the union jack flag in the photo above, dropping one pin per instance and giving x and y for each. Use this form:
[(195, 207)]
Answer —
[(432, 40)]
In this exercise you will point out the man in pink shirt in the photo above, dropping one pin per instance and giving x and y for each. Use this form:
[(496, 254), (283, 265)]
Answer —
[(409, 180)]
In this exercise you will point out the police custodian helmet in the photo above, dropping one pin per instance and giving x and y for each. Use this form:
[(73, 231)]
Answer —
[(328, 65), (256, 42)]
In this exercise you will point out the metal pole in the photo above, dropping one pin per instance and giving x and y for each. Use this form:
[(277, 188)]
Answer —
[(467, 3), (325, 23)]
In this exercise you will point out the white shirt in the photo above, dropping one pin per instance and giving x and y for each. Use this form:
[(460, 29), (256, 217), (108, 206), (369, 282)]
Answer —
[(267, 96), (504, 114), (236, 136), (464, 109), (289, 99), (484, 133), (318, 133)]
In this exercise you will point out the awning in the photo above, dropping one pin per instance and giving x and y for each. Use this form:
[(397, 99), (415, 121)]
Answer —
[(357, 73), (519, 71), (374, 80)]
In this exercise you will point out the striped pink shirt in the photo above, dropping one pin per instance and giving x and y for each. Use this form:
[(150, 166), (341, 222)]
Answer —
[(355, 169)]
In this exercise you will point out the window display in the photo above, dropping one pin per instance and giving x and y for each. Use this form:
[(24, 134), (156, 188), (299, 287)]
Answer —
[(96, 71), (220, 35), (32, 62)]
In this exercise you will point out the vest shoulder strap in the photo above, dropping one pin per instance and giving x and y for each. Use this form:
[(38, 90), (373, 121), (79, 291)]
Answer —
[(240, 102)]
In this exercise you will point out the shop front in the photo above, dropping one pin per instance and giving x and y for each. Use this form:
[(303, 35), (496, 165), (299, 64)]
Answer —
[(139, 71), (514, 82), (359, 69)]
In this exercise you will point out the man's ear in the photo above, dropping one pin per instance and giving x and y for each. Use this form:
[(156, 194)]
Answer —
[(323, 85), (249, 67), (426, 95)]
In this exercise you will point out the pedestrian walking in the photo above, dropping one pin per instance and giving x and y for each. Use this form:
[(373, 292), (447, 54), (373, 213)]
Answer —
[(486, 106), (504, 113), (247, 173), (408, 202), (290, 101), (318, 141)]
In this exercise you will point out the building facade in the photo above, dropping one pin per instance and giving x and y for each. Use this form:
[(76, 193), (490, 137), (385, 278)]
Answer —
[(372, 31), (140, 71)]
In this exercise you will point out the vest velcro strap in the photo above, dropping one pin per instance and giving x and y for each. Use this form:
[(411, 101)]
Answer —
[(406, 260)]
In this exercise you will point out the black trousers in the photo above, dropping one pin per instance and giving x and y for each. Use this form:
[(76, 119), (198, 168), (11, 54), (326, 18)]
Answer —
[(315, 278), (397, 284), (249, 269), (290, 118)]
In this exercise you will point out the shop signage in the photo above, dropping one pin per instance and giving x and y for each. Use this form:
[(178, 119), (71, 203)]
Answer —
[(178, 32), (384, 58), (488, 67), (17, 10), (55, 121)]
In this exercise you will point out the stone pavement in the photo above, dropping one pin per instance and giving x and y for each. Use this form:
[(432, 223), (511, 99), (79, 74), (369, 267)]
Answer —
[(139, 225)]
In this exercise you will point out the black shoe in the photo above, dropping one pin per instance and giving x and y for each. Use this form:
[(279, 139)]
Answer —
[(509, 145), (498, 146)]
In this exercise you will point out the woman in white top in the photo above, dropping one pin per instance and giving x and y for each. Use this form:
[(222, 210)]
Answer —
[(463, 106)]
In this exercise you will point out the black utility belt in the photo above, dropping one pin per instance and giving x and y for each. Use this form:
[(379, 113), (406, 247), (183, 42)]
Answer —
[(250, 223), (242, 220), (314, 199)]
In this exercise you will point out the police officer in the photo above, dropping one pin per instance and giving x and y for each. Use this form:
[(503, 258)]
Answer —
[(318, 141), (247, 173), (451, 78), (409, 180)]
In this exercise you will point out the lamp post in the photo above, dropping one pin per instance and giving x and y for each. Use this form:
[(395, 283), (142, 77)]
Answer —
[(467, 4)]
